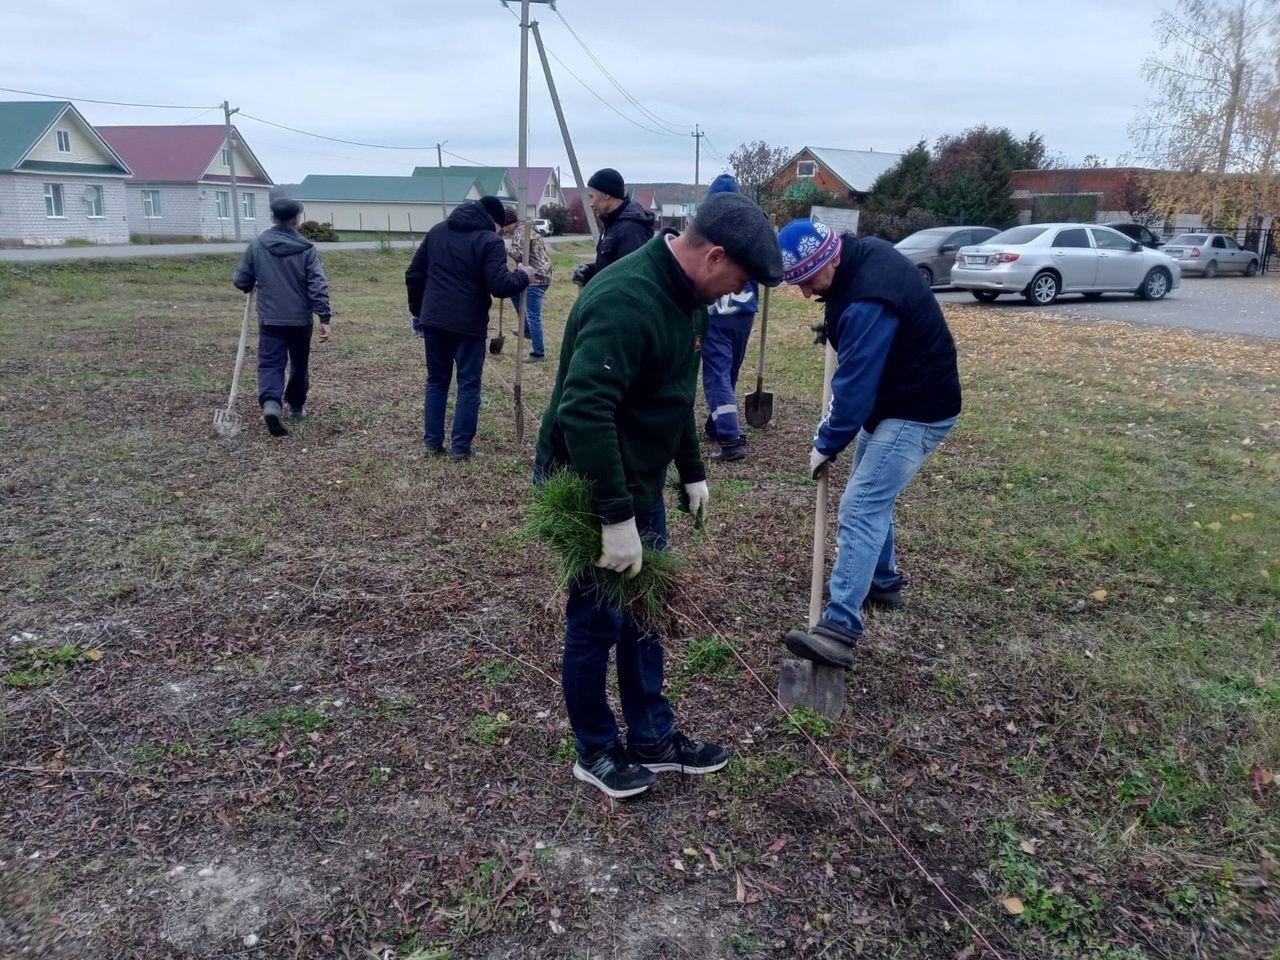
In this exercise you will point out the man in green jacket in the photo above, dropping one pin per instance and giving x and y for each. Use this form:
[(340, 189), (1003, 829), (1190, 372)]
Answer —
[(620, 414)]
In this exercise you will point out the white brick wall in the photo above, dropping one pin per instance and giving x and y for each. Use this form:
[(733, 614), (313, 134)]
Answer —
[(23, 218), (191, 210)]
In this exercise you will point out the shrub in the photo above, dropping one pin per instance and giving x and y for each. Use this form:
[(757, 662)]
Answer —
[(557, 216), (318, 232)]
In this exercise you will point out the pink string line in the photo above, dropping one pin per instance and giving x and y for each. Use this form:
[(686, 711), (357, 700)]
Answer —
[(951, 901)]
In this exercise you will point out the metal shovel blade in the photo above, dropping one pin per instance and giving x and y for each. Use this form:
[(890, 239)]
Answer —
[(227, 422), (759, 406)]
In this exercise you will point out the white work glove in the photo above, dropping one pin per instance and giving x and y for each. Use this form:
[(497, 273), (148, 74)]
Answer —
[(526, 270), (622, 548), (699, 497), (818, 462)]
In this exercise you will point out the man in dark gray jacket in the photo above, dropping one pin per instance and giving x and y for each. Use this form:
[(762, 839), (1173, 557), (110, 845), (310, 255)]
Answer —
[(284, 266)]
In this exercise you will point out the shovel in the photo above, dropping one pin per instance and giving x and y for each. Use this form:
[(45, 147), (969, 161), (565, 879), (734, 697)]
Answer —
[(818, 580), (228, 421), (759, 404), (497, 343)]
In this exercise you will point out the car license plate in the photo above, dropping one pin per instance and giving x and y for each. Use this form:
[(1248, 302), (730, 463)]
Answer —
[(1173, 252), (970, 259)]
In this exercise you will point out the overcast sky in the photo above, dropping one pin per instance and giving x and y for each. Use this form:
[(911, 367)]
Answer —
[(836, 73)]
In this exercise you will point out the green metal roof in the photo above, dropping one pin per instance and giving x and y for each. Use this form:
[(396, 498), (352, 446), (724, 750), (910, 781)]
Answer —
[(60, 166), (21, 124), (489, 178), (383, 189)]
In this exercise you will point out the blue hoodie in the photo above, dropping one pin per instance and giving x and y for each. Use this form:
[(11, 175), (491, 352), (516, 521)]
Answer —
[(742, 305)]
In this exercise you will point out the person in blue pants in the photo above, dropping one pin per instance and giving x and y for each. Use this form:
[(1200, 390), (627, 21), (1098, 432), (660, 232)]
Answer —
[(728, 330), (895, 396)]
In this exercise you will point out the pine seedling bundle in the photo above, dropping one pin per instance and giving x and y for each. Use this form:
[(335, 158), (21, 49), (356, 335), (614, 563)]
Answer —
[(563, 517)]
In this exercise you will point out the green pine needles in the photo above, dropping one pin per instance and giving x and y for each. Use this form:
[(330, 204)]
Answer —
[(562, 517)]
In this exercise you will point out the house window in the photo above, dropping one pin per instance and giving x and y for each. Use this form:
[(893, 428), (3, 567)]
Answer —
[(151, 204), (53, 200), (807, 168), (64, 141), (224, 204), (93, 201), (246, 205), (550, 190), (226, 156)]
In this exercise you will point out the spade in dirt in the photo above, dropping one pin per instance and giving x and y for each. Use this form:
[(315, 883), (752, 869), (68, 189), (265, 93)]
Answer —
[(227, 421), (759, 405), (497, 343)]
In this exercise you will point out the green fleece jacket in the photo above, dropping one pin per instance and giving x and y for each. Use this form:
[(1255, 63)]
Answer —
[(622, 409)]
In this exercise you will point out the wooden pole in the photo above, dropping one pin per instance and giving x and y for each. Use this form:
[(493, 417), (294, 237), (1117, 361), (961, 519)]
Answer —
[(818, 579), (568, 143), (523, 194), (444, 211), (227, 111)]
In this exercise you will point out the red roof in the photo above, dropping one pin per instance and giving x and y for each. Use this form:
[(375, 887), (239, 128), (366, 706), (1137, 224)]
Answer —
[(646, 197), (538, 177), (172, 154), (570, 196)]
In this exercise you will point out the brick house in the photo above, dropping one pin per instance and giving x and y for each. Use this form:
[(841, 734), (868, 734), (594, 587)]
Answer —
[(59, 180), (1084, 195), (848, 174), (181, 183)]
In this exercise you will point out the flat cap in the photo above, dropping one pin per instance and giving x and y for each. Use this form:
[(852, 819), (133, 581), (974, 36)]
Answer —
[(285, 209), (732, 221)]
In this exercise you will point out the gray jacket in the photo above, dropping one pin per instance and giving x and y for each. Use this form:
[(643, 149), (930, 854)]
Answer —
[(290, 280)]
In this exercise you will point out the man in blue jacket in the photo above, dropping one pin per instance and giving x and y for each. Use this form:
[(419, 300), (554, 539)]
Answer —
[(284, 266), (460, 265), (895, 396), (728, 330)]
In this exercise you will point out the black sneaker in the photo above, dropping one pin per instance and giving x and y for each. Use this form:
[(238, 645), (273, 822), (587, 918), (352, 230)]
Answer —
[(731, 450), (457, 456), (297, 413), (881, 599), (682, 755), (271, 415), (614, 773), (709, 428)]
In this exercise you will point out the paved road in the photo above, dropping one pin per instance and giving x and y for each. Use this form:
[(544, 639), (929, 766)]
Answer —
[(1232, 305), (124, 251)]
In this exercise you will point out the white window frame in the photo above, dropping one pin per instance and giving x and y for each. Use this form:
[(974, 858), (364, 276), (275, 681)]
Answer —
[(63, 136), (248, 206), (811, 164), (226, 156), (151, 198), (99, 204), (53, 207), (222, 203)]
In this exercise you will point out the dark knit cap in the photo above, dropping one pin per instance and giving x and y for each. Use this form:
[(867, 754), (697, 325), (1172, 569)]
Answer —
[(285, 209), (732, 221), (608, 181), (509, 216), (495, 208)]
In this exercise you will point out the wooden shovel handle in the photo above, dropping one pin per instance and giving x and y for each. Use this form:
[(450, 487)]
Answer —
[(820, 510), (244, 336), (764, 331)]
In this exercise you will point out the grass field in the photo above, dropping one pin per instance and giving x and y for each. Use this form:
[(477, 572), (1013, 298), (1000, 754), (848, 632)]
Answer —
[(300, 698)]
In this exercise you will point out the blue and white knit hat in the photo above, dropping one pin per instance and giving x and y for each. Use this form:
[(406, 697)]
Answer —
[(807, 247)]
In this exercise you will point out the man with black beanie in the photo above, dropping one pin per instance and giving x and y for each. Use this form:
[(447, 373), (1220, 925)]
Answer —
[(291, 285), (625, 226), (461, 263)]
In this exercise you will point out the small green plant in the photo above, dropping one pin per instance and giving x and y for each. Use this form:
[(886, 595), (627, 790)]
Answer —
[(745, 945), (487, 727), (154, 754), (562, 516), (801, 720), (498, 670), (565, 751), (274, 725), (711, 657), (37, 666)]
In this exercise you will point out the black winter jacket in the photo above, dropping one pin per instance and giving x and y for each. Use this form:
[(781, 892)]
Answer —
[(623, 231), (458, 266)]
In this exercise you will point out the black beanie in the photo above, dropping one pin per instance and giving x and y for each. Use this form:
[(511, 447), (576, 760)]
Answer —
[(608, 181), (285, 209), (494, 207), (509, 217)]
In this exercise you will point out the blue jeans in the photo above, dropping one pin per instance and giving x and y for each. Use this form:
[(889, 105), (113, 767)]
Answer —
[(444, 351), (280, 346), (533, 315), (722, 352), (884, 462), (591, 629)]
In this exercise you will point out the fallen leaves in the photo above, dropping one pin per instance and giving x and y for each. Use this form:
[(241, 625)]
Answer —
[(1099, 595), (1013, 905)]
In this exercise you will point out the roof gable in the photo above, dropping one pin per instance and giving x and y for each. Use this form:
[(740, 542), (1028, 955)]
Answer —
[(176, 154), (857, 169), (538, 177), (25, 124), (415, 189), (493, 181)]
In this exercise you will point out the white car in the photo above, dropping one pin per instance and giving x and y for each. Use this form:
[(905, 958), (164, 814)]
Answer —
[(543, 227), (1042, 260), (1210, 254)]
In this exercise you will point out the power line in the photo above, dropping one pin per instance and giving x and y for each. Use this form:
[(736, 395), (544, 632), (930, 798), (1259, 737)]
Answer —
[(321, 136), (588, 88), (112, 103), (617, 86)]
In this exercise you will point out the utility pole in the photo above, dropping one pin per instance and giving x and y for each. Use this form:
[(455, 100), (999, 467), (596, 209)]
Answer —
[(697, 154), (568, 143), (227, 111), (444, 211)]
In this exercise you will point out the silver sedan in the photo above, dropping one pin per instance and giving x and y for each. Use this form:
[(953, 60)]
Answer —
[(1210, 254), (1042, 260)]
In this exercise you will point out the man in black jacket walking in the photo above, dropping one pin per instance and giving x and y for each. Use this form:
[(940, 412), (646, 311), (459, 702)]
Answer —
[(283, 265), (460, 264), (625, 226)]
